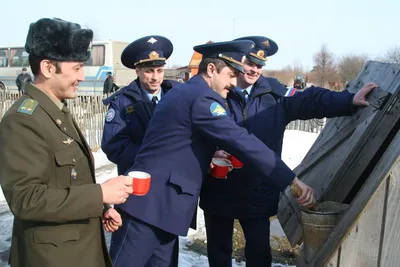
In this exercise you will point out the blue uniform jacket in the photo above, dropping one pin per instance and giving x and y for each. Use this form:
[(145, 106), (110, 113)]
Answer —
[(245, 193), (124, 133), (187, 126)]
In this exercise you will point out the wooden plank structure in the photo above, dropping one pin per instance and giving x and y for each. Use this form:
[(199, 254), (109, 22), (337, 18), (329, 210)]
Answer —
[(355, 160)]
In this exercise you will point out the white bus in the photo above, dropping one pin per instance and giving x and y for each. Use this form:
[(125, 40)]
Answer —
[(105, 57)]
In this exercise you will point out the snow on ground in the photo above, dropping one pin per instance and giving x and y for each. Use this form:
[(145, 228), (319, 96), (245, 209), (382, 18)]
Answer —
[(295, 146)]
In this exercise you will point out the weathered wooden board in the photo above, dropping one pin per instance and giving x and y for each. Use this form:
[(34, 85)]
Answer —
[(361, 246), (370, 225), (390, 249), (334, 260), (346, 146)]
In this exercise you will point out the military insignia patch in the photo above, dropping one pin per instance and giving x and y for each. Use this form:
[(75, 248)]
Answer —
[(129, 109), (28, 106), (68, 141), (73, 174), (110, 115), (217, 110)]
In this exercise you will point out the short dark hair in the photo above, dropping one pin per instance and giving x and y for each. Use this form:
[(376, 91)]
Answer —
[(34, 62), (219, 64), (143, 66)]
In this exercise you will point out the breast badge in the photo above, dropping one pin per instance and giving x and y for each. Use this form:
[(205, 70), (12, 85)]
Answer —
[(73, 174)]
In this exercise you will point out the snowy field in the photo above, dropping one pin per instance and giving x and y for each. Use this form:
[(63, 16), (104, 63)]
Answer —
[(296, 144)]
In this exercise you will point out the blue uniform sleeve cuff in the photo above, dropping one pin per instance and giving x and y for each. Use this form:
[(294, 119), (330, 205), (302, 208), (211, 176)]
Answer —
[(352, 108)]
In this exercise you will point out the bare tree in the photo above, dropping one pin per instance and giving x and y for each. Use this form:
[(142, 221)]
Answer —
[(298, 67), (287, 74), (284, 75), (392, 55), (324, 69), (349, 66)]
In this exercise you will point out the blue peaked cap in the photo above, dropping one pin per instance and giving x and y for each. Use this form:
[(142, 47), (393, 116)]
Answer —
[(264, 47), (231, 52), (147, 51)]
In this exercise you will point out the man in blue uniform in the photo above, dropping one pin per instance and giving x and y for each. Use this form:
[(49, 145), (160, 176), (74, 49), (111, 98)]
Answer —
[(180, 142), (131, 108), (259, 105)]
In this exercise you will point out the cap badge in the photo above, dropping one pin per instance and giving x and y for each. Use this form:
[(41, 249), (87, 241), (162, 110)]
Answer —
[(154, 55), (152, 40)]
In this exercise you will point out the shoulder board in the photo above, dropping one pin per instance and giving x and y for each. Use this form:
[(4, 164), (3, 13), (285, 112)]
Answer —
[(109, 99), (28, 106)]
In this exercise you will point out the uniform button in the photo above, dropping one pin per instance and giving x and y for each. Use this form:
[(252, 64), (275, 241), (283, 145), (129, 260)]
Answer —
[(73, 160), (65, 128), (58, 121)]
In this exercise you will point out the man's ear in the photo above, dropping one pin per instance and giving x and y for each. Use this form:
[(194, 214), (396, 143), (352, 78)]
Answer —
[(46, 67), (211, 68)]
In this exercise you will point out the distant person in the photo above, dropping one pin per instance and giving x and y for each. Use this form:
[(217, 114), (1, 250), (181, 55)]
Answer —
[(108, 84), (114, 87), (22, 79)]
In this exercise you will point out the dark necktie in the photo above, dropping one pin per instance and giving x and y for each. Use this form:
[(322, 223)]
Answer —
[(154, 100), (67, 112), (243, 94)]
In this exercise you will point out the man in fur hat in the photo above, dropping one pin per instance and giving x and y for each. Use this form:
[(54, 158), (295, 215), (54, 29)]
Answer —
[(46, 166)]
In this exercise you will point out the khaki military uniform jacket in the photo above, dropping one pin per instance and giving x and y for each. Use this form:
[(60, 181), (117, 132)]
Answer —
[(48, 179)]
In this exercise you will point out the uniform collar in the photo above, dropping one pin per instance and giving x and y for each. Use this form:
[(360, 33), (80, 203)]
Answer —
[(150, 96), (49, 103), (248, 89), (55, 100)]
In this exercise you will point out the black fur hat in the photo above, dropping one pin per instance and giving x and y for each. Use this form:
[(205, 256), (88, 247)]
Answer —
[(59, 40)]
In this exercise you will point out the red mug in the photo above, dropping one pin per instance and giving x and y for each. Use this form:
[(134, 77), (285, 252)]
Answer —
[(140, 182), (235, 162), (221, 168)]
